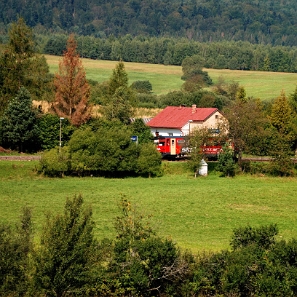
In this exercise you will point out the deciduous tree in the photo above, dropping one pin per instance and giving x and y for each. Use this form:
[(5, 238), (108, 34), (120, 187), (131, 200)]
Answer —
[(195, 142), (72, 88), (195, 78), (247, 126)]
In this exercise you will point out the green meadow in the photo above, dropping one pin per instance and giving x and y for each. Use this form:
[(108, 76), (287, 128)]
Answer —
[(258, 84), (197, 213)]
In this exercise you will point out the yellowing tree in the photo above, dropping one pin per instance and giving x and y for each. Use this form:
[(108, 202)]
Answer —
[(281, 114), (72, 88)]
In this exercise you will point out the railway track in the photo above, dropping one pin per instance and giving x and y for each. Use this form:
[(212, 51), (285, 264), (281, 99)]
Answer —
[(20, 158), (38, 157)]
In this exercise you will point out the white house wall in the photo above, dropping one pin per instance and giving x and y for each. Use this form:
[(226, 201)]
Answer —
[(166, 132)]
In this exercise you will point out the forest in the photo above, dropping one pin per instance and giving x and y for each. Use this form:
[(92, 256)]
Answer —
[(241, 35), (259, 22)]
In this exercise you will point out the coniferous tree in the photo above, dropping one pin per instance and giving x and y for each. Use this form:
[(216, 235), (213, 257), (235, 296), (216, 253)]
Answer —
[(120, 99), (281, 114), (15, 246), (293, 101), (285, 134), (293, 104), (72, 88), (64, 257), (20, 66), (19, 123)]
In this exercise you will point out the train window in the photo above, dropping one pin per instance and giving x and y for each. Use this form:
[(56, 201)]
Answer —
[(181, 141)]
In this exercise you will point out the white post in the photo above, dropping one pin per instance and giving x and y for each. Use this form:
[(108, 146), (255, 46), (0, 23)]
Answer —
[(60, 134)]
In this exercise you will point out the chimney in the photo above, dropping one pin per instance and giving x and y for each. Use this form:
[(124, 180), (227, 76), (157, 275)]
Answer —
[(193, 108)]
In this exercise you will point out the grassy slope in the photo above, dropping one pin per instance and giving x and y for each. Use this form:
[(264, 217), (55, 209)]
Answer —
[(199, 214), (263, 85)]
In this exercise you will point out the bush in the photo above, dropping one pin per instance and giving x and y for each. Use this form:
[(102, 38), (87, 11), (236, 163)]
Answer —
[(281, 165), (149, 161), (106, 150), (142, 86), (263, 236), (146, 100), (55, 162), (226, 163), (258, 168)]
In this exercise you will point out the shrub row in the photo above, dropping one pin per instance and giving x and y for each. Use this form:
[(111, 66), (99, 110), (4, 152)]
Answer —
[(69, 261)]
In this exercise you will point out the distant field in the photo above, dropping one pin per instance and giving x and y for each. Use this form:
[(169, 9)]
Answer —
[(259, 84), (198, 214)]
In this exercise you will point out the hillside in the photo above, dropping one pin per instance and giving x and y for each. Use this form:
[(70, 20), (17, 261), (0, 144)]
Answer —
[(261, 22)]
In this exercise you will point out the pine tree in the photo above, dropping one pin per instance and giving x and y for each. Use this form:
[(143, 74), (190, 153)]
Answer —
[(72, 88)]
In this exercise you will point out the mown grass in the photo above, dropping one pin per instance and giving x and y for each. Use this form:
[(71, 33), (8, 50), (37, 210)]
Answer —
[(198, 214), (258, 84)]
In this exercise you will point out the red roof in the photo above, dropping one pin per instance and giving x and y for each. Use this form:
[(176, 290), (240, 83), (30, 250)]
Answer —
[(177, 116)]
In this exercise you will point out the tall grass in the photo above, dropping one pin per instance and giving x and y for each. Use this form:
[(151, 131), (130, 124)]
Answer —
[(258, 84), (199, 214)]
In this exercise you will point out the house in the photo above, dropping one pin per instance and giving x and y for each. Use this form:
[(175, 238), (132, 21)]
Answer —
[(180, 120)]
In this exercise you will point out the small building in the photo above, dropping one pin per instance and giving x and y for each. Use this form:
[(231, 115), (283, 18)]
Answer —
[(180, 120)]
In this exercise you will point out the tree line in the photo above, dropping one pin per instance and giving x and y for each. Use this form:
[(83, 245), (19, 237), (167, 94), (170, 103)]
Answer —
[(234, 55), (66, 259), (259, 22)]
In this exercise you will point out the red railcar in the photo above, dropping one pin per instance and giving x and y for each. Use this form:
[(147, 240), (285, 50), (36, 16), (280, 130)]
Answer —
[(177, 147), (171, 146)]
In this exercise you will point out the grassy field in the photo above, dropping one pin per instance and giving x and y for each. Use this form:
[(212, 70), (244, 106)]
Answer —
[(263, 85), (198, 214)]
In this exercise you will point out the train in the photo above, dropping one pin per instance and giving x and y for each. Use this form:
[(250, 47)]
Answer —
[(175, 147)]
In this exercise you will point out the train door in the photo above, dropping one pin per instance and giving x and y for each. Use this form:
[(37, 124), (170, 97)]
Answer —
[(172, 146)]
